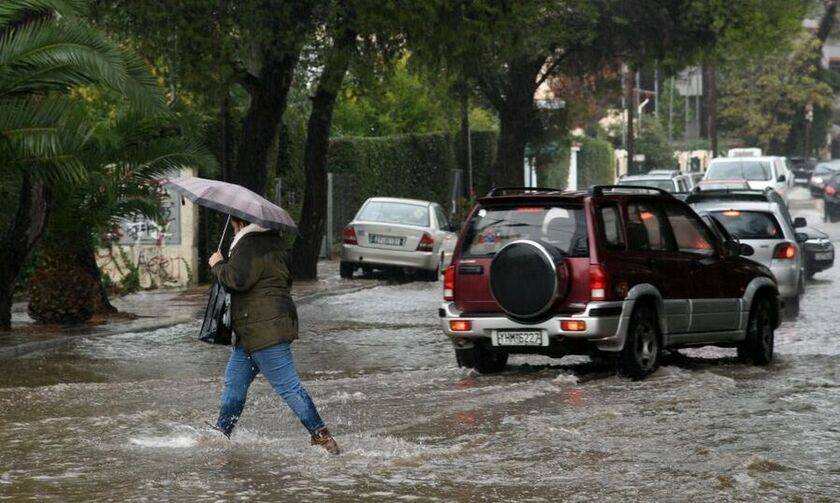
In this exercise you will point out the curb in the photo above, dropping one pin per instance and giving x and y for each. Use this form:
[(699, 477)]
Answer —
[(24, 348)]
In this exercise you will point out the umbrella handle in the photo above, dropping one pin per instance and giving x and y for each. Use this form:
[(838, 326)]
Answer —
[(219, 248)]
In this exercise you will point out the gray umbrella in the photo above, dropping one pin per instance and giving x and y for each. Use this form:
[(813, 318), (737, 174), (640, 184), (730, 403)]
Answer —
[(234, 200)]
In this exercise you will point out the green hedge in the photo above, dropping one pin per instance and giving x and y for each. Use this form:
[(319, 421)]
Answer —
[(596, 163)]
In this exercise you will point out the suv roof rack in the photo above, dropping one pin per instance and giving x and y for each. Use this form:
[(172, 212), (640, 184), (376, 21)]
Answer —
[(505, 191), (598, 190), (697, 194)]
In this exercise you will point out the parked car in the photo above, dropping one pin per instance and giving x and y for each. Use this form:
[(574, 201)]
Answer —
[(392, 233), (831, 198), (822, 173), (673, 181), (759, 172), (802, 169), (761, 220), (723, 184), (612, 272)]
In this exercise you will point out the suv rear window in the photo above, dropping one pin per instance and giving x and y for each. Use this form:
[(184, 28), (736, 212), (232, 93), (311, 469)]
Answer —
[(492, 228), (749, 224), (395, 213), (748, 170)]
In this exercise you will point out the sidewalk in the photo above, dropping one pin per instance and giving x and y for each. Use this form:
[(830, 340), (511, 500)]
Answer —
[(152, 310)]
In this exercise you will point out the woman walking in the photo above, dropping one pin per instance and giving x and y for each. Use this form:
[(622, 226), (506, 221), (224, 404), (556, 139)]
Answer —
[(264, 322)]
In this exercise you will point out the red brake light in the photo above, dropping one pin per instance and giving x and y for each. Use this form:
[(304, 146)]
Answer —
[(573, 325), (830, 190), (427, 243), (529, 209), (732, 213), (597, 282), (349, 235), (449, 283), (784, 251), (460, 325)]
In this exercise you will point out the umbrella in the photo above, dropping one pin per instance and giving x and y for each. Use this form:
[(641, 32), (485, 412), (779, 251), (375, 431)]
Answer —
[(234, 200)]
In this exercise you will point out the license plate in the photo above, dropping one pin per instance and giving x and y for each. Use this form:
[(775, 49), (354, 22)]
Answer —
[(824, 256), (520, 338), (386, 240)]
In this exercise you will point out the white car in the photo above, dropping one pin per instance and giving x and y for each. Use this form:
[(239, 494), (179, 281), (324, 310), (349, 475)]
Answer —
[(394, 233), (759, 172), (764, 227)]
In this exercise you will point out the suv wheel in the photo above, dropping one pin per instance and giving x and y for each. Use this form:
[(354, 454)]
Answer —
[(345, 270), (482, 360), (427, 275), (758, 345), (642, 349)]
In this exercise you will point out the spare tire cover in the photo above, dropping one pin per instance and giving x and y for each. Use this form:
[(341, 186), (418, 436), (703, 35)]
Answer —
[(527, 278)]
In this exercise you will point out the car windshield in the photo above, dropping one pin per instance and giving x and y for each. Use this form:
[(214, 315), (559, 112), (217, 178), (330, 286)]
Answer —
[(492, 228), (747, 170), (823, 169), (657, 184), (750, 224), (395, 213)]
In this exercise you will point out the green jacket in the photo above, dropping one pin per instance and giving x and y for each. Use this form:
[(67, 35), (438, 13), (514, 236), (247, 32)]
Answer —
[(257, 276)]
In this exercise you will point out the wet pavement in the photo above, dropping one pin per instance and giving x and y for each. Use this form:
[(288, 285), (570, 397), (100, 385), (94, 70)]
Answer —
[(122, 417)]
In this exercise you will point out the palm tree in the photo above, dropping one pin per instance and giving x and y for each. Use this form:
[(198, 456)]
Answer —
[(125, 157), (47, 51)]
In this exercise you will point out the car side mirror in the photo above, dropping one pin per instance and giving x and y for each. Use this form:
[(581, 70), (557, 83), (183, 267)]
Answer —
[(731, 248), (801, 237), (799, 222), (782, 178), (745, 250)]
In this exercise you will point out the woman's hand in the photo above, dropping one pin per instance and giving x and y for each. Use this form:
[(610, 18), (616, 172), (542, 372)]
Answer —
[(215, 259)]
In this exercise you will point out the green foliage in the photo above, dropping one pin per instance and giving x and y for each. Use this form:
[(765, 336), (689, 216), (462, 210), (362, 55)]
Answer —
[(398, 101), (483, 146), (653, 143), (418, 166), (596, 162), (761, 97)]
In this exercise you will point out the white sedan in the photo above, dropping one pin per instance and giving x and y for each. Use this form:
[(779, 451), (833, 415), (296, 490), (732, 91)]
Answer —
[(393, 233)]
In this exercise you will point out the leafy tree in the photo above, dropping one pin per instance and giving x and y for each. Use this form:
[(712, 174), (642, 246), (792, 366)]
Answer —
[(760, 98), (46, 51), (125, 155), (653, 143)]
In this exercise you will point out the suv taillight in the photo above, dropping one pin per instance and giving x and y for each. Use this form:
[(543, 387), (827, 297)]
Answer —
[(449, 283), (348, 235), (597, 282), (427, 243), (784, 251)]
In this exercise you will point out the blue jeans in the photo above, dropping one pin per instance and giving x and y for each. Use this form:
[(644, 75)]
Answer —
[(275, 362)]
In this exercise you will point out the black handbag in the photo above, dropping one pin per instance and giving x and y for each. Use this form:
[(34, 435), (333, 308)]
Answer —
[(215, 329)]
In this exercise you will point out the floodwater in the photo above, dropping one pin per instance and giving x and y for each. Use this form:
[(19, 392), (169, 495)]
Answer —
[(123, 418)]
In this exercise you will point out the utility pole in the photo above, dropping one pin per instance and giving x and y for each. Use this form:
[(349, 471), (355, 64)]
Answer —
[(671, 112)]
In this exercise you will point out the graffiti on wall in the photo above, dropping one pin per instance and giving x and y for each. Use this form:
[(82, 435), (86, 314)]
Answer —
[(139, 230)]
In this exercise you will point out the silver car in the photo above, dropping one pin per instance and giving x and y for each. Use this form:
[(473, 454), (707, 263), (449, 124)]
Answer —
[(764, 227), (393, 233)]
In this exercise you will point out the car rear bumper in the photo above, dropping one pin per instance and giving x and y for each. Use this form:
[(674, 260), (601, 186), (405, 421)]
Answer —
[(361, 255), (606, 326), (787, 278)]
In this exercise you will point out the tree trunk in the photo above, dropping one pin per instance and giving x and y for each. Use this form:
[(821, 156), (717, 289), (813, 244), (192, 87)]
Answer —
[(710, 91), (269, 93), (311, 225), (85, 257), (518, 120), (16, 243)]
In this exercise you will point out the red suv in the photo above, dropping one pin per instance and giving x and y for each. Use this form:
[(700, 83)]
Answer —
[(619, 271)]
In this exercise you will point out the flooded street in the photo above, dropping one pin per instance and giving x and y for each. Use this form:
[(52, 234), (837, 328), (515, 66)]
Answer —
[(124, 418)]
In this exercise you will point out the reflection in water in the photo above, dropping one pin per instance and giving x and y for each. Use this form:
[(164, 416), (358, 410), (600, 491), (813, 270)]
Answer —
[(123, 418)]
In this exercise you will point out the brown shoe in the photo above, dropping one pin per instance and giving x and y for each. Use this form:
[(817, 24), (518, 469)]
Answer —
[(324, 438)]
